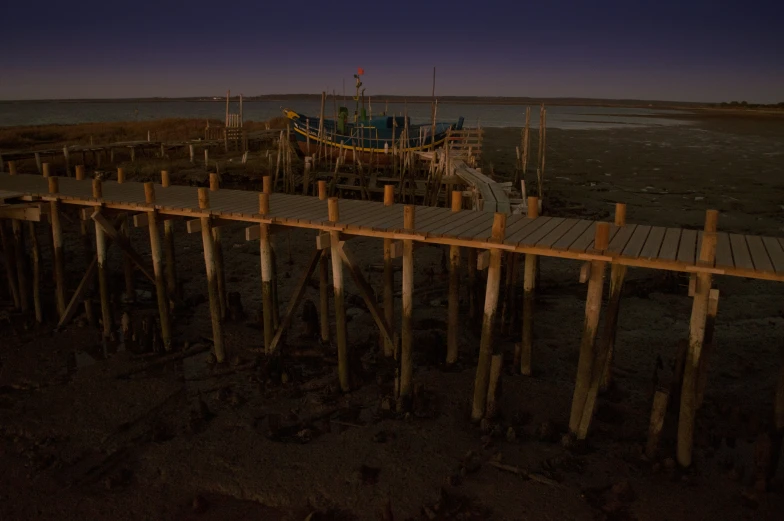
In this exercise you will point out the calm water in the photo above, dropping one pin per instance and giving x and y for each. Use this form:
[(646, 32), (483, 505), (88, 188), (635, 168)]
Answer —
[(54, 112)]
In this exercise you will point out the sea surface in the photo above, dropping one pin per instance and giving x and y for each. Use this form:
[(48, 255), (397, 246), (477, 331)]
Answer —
[(486, 115)]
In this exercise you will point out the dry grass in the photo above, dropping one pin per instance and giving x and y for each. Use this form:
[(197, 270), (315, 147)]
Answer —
[(173, 129)]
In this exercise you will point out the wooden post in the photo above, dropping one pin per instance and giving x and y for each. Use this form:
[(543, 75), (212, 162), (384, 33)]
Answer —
[(699, 313), (103, 280), (12, 168), (57, 242), (617, 275), (46, 171), (125, 230), (67, 159), (496, 367), (216, 234), (206, 157), (80, 172), (21, 265), (453, 328), (169, 256), (389, 276), (658, 412), (323, 278), (340, 310), (708, 345), (157, 266), (190, 153), (472, 300), (212, 283), (593, 304), (39, 316), (10, 265), (486, 347), (524, 359), (267, 184), (38, 163), (265, 252), (406, 329)]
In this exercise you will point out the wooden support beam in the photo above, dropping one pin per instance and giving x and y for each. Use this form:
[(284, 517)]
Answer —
[(699, 312), (340, 309), (593, 304), (57, 246), (156, 251), (389, 277), (483, 260), (212, 283), (407, 327), (24, 212), (265, 252), (524, 360), (658, 413), (20, 262), (216, 235), (10, 264), (100, 252), (708, 345), (296, 297), (486, 346), (367, 293), (617, 276), (323, 279), (36, 255), (125, 231), (453, 313)]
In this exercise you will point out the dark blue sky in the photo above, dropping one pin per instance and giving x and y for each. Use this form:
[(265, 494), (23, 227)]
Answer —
[(689, 51)]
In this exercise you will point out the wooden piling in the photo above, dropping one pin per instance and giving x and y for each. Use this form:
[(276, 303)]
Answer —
[(699, 313), (617, 275), (67, 159), (658, 412), (593, 304), (265, 253), (158, 269), (103, 280), (45, 169), (453, 328), (525, 356), (125, 231), (212, 282), (36, 255), (170, 259), (267, 184), (323, 278), (708, 345), (494, 384), (407, 327), (12, 168), (340, 310), (10, 262), (389, 275), (216, 234), (57, 243), (21, 265), (486, 347)]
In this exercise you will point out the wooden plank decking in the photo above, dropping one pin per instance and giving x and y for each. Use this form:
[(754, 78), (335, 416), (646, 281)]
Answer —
[(632, 245)]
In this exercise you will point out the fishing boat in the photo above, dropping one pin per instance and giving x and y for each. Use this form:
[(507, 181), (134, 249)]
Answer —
[(371, 139)]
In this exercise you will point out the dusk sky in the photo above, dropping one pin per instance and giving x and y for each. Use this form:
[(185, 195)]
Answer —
[(667, 50)]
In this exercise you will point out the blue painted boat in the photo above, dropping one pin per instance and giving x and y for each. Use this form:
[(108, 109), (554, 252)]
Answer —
[(372, 139)]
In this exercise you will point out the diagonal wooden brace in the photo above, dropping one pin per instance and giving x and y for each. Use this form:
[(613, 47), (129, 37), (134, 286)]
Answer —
[(367, 295), (294, 301), (121, 241)]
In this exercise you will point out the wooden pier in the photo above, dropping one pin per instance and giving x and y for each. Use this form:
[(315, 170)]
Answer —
[(493, 237)]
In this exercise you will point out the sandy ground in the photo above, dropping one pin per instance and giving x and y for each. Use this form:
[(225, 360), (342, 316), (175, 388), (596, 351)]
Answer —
[(104, 432)]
